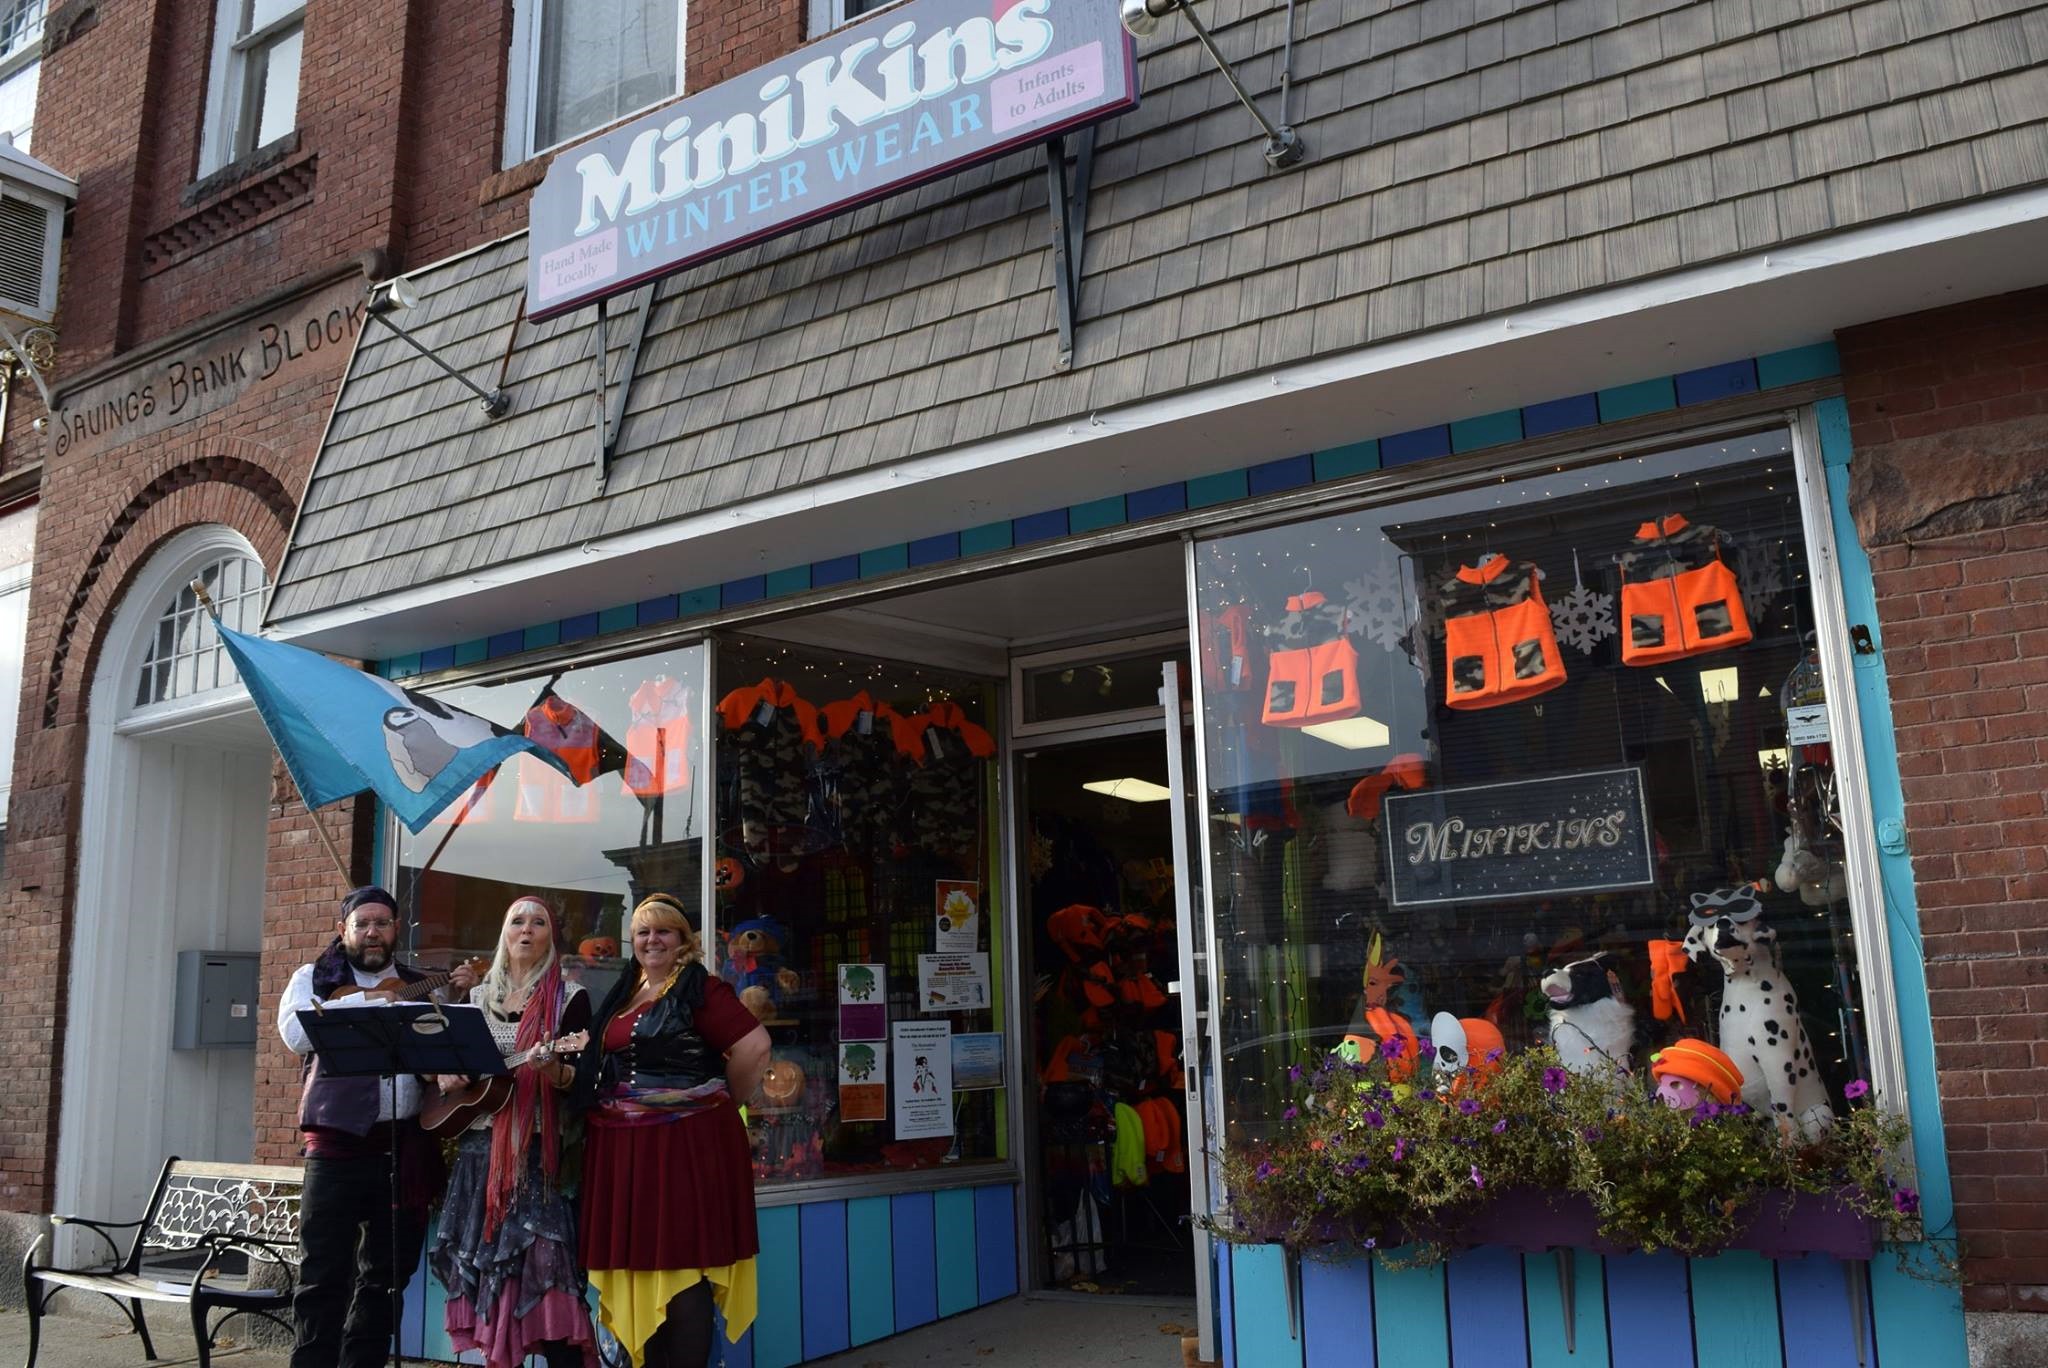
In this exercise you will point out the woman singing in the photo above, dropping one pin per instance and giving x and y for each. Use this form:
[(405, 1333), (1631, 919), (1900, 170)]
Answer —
[(506, 1249), (668, 1195)]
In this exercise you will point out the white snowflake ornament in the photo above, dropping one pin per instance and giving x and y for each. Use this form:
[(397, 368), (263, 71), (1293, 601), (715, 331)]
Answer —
[(1583, 618), (1377, 606)]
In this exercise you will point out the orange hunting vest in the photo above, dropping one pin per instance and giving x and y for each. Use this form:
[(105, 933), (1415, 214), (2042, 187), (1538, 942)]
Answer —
[(1676, 613), (1499, 646)]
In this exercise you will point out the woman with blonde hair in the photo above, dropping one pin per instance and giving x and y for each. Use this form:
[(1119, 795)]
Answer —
[(506, 1246), (668, 1197)]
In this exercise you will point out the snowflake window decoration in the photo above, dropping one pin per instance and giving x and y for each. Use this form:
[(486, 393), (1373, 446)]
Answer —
[(1585, 617), (1378, 605), (1760, 566)]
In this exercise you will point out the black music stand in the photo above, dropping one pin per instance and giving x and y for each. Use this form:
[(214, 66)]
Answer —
[(400, 1038)]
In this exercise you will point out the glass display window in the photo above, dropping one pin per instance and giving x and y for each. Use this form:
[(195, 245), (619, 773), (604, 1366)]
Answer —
[(1542, 761), (857, 909), (625, 823)]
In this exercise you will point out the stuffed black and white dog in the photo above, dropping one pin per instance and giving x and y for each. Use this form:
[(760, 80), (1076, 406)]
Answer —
[(1760, 1026), (1591, 1027)]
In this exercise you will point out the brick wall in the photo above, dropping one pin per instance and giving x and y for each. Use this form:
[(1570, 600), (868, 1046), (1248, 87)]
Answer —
[(1949, 414)]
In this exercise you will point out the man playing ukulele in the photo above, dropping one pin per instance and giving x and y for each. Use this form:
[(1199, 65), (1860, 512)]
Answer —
[(346, 1306)]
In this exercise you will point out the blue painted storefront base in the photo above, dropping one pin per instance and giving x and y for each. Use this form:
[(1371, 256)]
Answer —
[(1492, 1308), (833, 1275)]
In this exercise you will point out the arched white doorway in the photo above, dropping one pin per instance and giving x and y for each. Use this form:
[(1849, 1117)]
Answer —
[(172, 831)]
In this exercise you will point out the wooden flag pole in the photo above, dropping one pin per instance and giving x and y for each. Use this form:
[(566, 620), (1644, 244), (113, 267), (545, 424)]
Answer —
[(348, 878)]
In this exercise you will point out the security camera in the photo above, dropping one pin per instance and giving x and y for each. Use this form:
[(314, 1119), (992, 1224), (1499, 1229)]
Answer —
[(1141, 17)]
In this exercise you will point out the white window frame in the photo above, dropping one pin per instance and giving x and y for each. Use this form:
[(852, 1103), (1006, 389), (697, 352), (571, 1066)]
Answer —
[(827, 15), (522, 68), (227, 83)]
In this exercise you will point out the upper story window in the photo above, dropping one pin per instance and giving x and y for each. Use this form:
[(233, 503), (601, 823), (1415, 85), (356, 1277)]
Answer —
[(21, 32), (578, 65), (186, 656), (830, 14), (21, 25), (253, 97)]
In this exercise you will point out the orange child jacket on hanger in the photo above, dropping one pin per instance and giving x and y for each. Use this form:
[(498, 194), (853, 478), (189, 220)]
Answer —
[(919, 740), (1310, 684), (763, 701), (544, 795), (1670, 612), (1499, 646), (658, 738)]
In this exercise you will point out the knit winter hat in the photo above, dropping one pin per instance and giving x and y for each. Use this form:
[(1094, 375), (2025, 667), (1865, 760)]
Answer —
[(1702, 1064)]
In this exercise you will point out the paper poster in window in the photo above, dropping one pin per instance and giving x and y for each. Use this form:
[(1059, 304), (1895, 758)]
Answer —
[(863, 1082), (977, 1061), (952, 983), (957, 915), (863, 1002), (923, 1083)]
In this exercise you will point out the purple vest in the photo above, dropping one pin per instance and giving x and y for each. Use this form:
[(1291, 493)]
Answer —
[(342, 1104)]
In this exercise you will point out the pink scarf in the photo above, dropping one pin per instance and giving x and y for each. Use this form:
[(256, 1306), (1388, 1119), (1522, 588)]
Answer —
[(532, 1095)]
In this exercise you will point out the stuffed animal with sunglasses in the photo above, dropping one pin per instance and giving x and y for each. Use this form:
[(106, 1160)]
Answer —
[(1760, 1026), (1592, 1027)]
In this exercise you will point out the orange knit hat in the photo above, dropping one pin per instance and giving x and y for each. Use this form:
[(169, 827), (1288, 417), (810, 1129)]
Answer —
[(1702, 1064)]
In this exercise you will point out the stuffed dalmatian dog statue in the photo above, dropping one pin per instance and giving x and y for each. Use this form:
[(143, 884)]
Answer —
[(1760, 1026)]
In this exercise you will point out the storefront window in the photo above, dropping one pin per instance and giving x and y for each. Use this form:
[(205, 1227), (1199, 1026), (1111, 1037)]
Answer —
[(1544, 761), (592, 846), (857, 909)]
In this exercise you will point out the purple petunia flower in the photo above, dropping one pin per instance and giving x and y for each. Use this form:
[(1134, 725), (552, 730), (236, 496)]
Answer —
[(1478, 1180), (1907, 1201), (1290, 1114), (1427, 1094), (1361, 1163), (1593, 1134), (1739, 1109), (1265, 1170), (1469, 1106), (1374, 1119), (1371, 1243), (1294, 1073), (1500, 1127), (1393, 1047), (1554, 1079), (1856, 1088), (1495, 1056), (1400, 1148)]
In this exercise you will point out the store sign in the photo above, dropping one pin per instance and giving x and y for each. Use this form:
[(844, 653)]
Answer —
[(210, 372), (910, 94), (1572, 833)]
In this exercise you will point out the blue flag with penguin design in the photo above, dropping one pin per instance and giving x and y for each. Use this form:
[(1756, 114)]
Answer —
[(342, 731)]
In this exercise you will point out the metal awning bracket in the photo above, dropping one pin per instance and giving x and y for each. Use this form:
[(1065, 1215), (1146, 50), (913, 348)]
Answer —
[(611, 412), (1069, 205)]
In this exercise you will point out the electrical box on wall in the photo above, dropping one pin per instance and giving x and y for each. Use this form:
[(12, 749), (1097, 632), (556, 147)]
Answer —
[(216, 1003)]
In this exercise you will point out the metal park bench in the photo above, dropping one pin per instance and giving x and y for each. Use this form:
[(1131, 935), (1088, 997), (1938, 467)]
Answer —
[(222, 1238)]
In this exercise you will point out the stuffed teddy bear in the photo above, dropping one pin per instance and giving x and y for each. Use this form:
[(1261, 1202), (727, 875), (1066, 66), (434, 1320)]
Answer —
[(754, 965)]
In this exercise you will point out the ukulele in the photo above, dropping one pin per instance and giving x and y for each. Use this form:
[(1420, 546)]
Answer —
[(396, 989), (453, 1112)]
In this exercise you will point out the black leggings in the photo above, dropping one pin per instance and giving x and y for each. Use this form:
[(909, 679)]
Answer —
[(684, 1339)]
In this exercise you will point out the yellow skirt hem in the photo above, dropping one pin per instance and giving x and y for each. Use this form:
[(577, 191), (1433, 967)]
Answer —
[(633, 1302)]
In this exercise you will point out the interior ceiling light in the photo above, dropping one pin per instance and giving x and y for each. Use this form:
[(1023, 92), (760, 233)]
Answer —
[(1283, 145), (1353, 733), (1130, 790)]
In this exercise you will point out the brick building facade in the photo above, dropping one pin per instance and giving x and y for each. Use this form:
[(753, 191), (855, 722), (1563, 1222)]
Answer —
[(1949, 412)]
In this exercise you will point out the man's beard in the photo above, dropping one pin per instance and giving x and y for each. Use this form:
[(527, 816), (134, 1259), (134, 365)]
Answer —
[(363, 958)]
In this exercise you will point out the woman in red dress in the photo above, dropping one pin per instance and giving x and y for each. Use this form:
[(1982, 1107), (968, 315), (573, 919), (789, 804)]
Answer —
[(668, 1187)]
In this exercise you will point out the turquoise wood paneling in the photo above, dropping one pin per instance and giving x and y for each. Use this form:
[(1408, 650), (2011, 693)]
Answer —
[(870, 1270), (995, 1243), (779, 1327), (953, 1229), (1265, 1339), (915, 1247), (1544, 1299), (1336, 1312), (1633, 401), (1801, 363), (1919, 1319), (1411, 1329), (1226, 1303), (821, 1226), (1735, 1317), (1820, 1302), (1649, 1306), (1488, 1323)]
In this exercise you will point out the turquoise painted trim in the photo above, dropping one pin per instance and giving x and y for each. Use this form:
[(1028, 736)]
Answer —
[(1633, 401), (1545, 1301), (779, 1324), (543, 635), (1735, 1310), (1230, 486), (472, 652), (870, 1269), (1260, 1303), (1816, 362), (1096, 515), (1411, 1329), (1919, 1320), (1342, 462), (1494, 429), (953, 1222), (1226, 1299), (618, 619)]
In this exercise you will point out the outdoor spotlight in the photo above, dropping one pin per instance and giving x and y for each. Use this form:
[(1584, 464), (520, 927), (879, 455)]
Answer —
[(1141, 17), (393, 296)]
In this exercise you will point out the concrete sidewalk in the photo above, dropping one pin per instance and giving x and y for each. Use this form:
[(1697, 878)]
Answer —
[(1052, 1330)]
